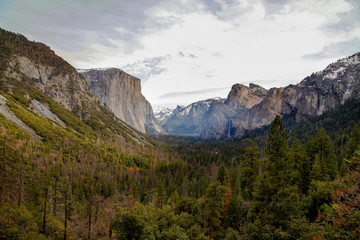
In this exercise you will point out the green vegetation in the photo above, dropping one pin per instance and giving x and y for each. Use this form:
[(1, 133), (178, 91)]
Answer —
[(75, 185)]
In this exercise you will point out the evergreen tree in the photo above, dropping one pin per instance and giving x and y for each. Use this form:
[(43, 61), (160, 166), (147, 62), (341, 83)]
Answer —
[(160, 194), (213, 206), (301, 164), (249, 171), (277, 168), (325, 164), (276, 200), (222, 176), (353, 143)]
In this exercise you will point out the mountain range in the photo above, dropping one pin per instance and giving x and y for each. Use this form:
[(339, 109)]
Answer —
[(94, 94), (250, 107)]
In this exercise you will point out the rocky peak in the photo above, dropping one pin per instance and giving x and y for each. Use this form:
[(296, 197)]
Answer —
[(162, 114), (121, 92), (340, 79), (242, 96)]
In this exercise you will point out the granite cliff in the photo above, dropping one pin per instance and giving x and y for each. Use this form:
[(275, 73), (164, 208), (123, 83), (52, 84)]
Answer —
[(121, 92)]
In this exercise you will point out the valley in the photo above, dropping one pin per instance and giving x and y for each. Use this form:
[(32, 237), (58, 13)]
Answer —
[(83, 156)]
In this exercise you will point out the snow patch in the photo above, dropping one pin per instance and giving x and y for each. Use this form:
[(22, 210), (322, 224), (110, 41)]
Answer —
[(162, 113), (334, 74)]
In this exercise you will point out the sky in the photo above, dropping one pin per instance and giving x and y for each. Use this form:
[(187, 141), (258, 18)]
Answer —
[(189, 50)]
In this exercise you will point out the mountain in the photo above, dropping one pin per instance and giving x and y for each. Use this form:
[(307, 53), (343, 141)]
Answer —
[(121, 92), (162, 114), (33, 75), (195, 118), (248, 108), (321, 91), (187, 120)]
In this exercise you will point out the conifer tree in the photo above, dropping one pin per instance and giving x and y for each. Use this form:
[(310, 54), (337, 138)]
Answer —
[(276, 173), (353, 143), (301, 164), (276, 166), (222, 176), (325, 164), (160, 194), (249, 171), (213, 209)]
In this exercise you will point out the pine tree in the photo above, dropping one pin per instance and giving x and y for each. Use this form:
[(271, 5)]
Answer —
[(277, 166), (353, 143), (325, 164), (277, 172), (249, 171), (222, 176), (160, 194), (213, 206), (301, 164)]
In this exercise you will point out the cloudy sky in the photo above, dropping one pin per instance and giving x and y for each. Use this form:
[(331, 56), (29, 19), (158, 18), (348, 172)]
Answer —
[(189, 50)]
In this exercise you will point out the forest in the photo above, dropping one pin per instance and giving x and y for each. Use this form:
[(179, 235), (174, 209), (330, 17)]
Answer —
[(86, 184)]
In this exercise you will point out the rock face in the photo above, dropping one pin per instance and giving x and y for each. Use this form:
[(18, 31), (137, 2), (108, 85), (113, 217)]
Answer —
[(313, 96), (121, 92), (221, 117), (248, 108), (66, 87)]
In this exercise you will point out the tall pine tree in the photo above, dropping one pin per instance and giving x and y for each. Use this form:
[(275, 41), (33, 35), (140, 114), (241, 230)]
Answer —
[(249, 171)]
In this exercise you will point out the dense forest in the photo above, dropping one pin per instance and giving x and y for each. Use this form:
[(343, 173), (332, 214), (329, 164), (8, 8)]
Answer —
[(74, 185)]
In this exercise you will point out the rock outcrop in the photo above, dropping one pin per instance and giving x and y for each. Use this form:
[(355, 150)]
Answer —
[(220, 119), (66, 87), (121, 92)]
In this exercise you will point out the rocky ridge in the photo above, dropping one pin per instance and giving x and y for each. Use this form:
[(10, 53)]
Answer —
[(248, 108), (313, 96)]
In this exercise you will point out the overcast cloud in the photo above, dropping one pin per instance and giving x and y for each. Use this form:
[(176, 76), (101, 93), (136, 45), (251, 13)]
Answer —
[(191, 46)]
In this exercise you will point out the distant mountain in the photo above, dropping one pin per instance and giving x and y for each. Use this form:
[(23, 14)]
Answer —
[(121, 92), (187, 120), (162, 114), (248, 108)]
